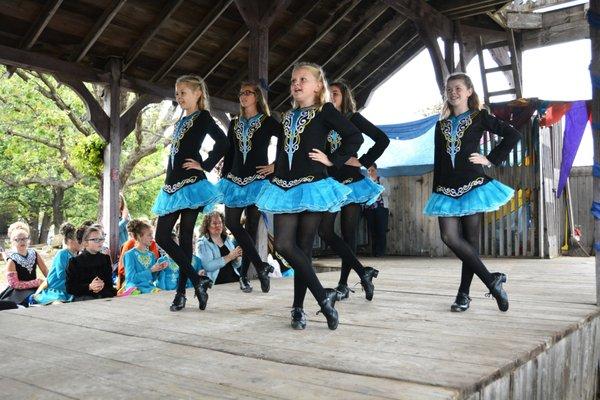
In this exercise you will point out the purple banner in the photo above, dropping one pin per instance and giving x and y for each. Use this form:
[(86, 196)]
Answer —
[(575, 121)]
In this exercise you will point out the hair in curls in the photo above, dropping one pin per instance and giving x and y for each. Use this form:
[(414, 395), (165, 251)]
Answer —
[(208, 219), (473, 102), (68, 231), (137, 227), (317, 71)]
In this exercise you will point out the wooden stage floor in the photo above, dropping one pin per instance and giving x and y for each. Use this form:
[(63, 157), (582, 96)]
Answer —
[(406, 344)]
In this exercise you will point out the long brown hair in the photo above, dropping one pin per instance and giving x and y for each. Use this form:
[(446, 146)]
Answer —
[(316, 70), (261, 104), (197, 83), (348, 102), (473, 102)]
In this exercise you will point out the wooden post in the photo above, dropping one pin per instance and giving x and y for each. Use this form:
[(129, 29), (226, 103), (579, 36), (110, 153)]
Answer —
[(595, 70), (112, 156)]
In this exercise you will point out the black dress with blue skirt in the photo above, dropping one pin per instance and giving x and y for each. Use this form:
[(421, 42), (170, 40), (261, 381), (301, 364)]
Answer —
[(363, 191), (248, 146), (299, 183), (183, 188), (460, 187)]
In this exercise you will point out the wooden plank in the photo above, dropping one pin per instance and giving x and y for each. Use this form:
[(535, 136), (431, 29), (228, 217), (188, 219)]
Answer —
[(99, 26), (40, 24), (191, 39), (165, 13), (420, 12), (523, 20)]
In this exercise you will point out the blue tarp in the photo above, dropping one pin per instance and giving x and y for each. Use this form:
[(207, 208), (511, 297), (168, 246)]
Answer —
[(411, 148)]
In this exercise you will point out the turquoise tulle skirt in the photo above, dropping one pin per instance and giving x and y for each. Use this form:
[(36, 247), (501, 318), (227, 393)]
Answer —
[(199, 194), (364, 191), (323, 195), (237, 196), (489, 197)]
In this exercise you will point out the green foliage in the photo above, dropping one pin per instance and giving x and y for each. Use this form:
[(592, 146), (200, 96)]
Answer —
[(88, 155), (26, 111)]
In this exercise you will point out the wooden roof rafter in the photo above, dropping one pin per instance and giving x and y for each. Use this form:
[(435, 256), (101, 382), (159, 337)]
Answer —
[(274, 39), (191, 40), (97, 29), (165, 13)]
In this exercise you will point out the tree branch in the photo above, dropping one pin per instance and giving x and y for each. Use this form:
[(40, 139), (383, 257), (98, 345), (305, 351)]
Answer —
[(145, 178), (36, 139)]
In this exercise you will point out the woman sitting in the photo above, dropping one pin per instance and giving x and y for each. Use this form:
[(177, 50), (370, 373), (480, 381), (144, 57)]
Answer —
[(219, 255)]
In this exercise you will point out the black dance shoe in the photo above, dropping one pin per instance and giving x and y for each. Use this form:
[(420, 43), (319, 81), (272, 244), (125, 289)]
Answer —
[(461, 303), (343, 291), (328, 310), (245, 285), (498, 292), (263, 277), (367, 282), (298, 318), (201, 291), (178, 302)]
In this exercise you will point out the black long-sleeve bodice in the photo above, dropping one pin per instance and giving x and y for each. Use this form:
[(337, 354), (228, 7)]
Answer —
[(81, 271), (456, 138), (347, 173), (306, 129), (248, 147), (188, 136)]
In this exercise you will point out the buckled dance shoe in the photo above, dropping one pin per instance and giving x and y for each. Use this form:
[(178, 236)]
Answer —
[(263, 277), (461, 303), (178, 302), (343, 291), (245, 285), (298, 318), (498, 292), (328, 310), (367, 282), (201, 291)]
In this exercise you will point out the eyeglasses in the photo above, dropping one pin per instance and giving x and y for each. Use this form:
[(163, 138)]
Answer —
[(21, 239), (97, 240), (246, 93)]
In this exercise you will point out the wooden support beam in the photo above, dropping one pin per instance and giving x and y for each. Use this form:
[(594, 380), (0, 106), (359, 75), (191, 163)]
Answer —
[(43, 63), (165, 13), (192, 38), (40, 24), (595, 71), (388, 29), (258, 57), (419, 11), (99, 27), (336, 17), (218, 58), (96, 115), (128, 118), (558, 26), (299, 16), (449, 54), (523, 20), (112, 158), (439, 64), (462, 64)]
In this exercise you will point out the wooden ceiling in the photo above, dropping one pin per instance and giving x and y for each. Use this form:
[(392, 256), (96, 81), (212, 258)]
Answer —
[(362, 41)]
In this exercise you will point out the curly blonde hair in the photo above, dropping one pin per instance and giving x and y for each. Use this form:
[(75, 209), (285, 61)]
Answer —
[(16, 228)]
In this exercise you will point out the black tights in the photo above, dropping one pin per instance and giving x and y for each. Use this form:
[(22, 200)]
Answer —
[(180, 253), (294, 237), (246, 238), (346, 247), (461, 235)]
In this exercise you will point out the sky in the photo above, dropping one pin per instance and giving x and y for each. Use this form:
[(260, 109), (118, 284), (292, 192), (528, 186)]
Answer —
[(558, 72)]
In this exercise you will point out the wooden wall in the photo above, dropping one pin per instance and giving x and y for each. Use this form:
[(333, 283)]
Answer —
[(581, 181)]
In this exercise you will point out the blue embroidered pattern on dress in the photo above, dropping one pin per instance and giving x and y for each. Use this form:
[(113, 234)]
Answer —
[(244, 130), (335, 140), (453, 130), (144, 258), (181, 127), (294, 122)]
